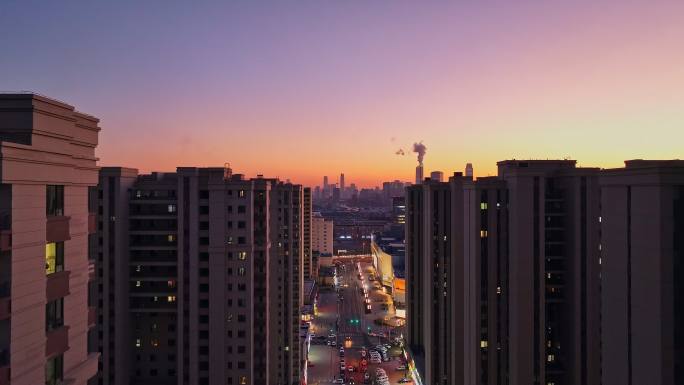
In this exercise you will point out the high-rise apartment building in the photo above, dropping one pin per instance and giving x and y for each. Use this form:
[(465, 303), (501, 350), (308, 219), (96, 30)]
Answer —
[(322, 234), (642, 273), (503, 276), (47, 166), (201, 273), (310, 260), (434, 279), (342, 191)]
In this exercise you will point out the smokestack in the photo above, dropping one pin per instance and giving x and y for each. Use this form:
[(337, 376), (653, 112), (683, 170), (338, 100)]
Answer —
[(420, 149), (469, 170)]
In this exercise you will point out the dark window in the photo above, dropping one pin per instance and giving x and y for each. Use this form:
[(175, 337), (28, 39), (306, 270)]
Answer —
[(242, 209), (54, 371), (54, 314), (55, 200), (204, 194)]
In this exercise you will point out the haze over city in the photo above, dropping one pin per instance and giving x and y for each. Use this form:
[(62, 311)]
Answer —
[(341, 192), (350, 83)]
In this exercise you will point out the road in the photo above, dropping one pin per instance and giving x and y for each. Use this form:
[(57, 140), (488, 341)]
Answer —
[(341, 311)]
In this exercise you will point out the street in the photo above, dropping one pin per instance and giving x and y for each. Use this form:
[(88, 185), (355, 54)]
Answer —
[(341, 311)]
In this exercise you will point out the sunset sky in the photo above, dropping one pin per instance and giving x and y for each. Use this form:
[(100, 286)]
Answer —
[(304, 89)]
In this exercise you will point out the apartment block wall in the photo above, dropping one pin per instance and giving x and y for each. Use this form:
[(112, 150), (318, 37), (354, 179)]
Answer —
[(46, 142), (642, 224), (213, 267)]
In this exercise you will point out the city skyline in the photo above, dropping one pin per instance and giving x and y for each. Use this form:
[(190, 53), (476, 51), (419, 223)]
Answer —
[(352, 84)]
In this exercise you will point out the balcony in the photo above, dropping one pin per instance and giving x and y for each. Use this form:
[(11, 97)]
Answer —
[(92, 223), (5, 301), (92, 317), (57, 285), (57, 229), (57, 342), (4, 367)]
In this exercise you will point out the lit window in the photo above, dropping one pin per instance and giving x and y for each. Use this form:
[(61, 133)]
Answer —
[(171, 283), (229, 240), (241, 271), (483, 344), (155, 298), (138, 268), (498, 290), (138, 342), (172, 208), (138, 284), (242, 255), (483, 233), (483, 206), (241, 193), (171, 298), (550, 358), (171, 238), (243, 380), (54, 257), (154, 342)]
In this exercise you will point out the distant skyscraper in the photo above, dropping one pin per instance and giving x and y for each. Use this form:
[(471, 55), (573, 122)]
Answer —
[(419, 174), (342, 192), (437, 176), (469, 170)]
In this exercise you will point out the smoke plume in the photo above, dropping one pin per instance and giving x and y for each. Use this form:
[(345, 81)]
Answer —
[(421, 150), (400, 152)]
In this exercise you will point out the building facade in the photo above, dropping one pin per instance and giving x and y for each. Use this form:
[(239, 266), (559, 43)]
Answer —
[(506, 269), (47, 166), (202, 272), (322, 231), (642, 273)]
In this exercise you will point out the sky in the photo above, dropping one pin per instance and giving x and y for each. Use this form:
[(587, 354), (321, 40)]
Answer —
[(302, 89)]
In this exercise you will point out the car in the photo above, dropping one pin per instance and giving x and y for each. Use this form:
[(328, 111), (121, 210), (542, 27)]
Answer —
[(329, 343), (405, 380), (350, 368), (375, 360), (333, 343), (366, 376), (341, 349), (342, 367), (331, 336), (401, 367), (338, 380)]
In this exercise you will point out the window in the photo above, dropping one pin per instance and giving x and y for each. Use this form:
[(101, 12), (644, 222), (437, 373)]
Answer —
[(241, 240), (241, 271), (242, 255), (54, 200), (241, 193), (54, 314), (241, 224), (138, 343), (483, 205), (170, 238), (171, 208), (171, 298), (54, 370), (242, 209), (54, 257)]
